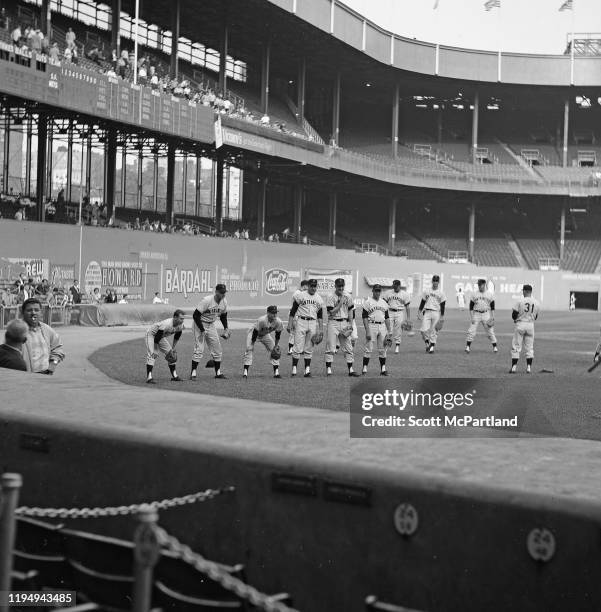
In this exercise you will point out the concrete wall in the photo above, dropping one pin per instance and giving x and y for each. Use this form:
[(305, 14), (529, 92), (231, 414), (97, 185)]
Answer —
[(183, 268)]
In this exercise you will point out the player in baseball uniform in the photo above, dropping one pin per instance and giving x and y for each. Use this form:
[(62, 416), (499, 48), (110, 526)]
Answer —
[(341, 313), (525, 312), (156, 342), (303, 287), (431, 311), (262, 331), (307, 306), (377, 327), (482, 308), (210, 308), (398, 301)]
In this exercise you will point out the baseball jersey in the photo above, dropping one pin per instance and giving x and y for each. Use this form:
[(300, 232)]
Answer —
[(376, 309), (397, 300), (166, 326), (347, 305), (308, 305), (210, 310), (527, 308), (433, 299), (482, 301), (263, 326)]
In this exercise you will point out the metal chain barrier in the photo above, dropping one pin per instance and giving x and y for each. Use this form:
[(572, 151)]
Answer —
[(164, 504), (226, 580)]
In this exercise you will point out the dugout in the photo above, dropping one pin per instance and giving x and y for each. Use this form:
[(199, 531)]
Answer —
[(586, 300)]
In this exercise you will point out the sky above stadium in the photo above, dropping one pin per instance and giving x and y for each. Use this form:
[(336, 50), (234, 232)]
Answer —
[(527, 26)]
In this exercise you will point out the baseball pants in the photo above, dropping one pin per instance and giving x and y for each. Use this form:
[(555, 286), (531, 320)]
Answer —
[(477, 319), (303, 332), (334, 331), (523, 338), (163, 346), (267, 341), (428, 329), (378, 332), (397, 318), (211, 337)]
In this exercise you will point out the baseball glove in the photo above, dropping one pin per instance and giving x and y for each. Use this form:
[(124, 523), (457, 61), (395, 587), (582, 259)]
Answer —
[(317, 338), (347, 331), (276, 352), (490, 323), (388, 341), (171, 357), (439, 325), (210, 364), (226, 334), (407, 326)]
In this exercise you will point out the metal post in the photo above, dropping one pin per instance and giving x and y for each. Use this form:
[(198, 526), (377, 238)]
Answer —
[(170, 182), (11, 483), (155, 182), (336, 111), (472, 231), (219, 192), (116, 25), (566, 125), (262, 204), (41, 164), (197, 183), (28, 158), (46, 19), (562, 233), (146, 555), (6, 158), (265, 77), (111, 169), (333, 213), (69, 162), (185, 185), (123, 186), (223, 56), (89, 166), (136, 37), (139, 197), (392, 224), (395, 121), (300, 89), (298, 212), (475, 116), (175, 25)]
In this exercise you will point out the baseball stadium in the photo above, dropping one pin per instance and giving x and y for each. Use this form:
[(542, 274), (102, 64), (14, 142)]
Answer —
[(183, 182)]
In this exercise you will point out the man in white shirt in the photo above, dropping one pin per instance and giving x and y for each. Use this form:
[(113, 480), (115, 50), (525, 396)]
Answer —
[(524, 313), (262, 331), (431, 311), (377, 328), (157, 299), (156, 342), (398, 301)]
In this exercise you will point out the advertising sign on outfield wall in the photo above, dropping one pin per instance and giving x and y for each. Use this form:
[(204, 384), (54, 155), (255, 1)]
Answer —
[(326, 278), (279, 281)]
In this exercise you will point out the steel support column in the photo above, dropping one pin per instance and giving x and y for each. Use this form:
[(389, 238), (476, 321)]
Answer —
[(6, 157), (475, 117), (566, 126), (472, 231), (110, 171), (298, 212), (155, 182), (219, 192), (333, 214), (28, 157), (46, 19), (41, 170), (88, 191), (197, 183), (395, 121), (123, 174), (265, 62), (69, 185), (139, 194), (562, 230), (116, 25), (392, 224), (223, 50), (175, 23), (301, 88), (170, 182), (336, 110), (261, 207)]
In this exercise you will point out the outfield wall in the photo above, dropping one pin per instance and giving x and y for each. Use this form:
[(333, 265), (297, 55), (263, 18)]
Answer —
[(183, 268)]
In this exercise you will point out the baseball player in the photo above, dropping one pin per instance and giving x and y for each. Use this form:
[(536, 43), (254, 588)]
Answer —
[(210, 308), (303, 287), (156, 342), (525, 312), (377, 327), (431, 313), (341, 313), (398, 301), (482, 308), (261, 331), (308, 306)]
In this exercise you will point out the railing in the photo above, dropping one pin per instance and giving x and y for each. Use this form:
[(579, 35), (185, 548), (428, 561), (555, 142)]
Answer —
[(372, 247), (458, 257), (549, 263), (307, 127)]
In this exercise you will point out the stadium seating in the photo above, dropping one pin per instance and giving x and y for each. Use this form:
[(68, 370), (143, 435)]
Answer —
[(494, 252), (535, 249), (581, 256), (443, 244)]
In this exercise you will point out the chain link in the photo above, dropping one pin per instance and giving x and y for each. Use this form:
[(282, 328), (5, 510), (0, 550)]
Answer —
[(164, 504), (225, 579)]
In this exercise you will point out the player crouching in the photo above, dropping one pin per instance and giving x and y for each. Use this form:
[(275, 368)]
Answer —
[(261, 331), (156, 342), (377, 327)]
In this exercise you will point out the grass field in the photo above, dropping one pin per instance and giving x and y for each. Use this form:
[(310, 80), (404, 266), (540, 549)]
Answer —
[(564, 343)]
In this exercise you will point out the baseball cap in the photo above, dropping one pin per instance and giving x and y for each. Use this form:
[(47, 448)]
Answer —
[(339, 282), (220, 288), (396, 282), (435, 278), (377, 287), (272, 309), (482, 281), (312, 282)]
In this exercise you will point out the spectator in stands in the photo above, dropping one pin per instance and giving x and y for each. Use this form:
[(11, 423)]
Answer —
[(70, 38), (123, 299), (58, 297), (153, 77), (96, 296), (16, 36), (45, 45), (50, 210), (137, 225), (114, 298), (35, 41), (43, 289), (68, 55), (75, 55), (108, 297), (29, 289), (20, 214), (54, 54), (142, 74), (305, 239), (43, 350), (3, 19), (157, 298), (94, 55), (286, 233), (11, 356), (75, 292)]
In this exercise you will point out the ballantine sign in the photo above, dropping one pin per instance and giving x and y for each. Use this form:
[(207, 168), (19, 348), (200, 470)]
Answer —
[(276, 281)]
